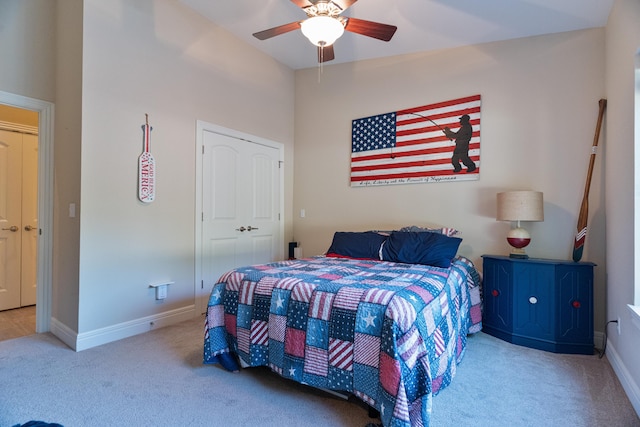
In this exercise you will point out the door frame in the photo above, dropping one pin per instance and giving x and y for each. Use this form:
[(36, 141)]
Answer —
[(201, 127), (45, 112)]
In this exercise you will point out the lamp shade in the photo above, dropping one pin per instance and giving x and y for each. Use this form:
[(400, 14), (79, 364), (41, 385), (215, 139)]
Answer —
[(322, 30), (520, 206)]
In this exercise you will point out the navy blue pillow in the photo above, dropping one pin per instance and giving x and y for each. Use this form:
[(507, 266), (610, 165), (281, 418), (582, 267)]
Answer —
[(360, 245), (421, 248)]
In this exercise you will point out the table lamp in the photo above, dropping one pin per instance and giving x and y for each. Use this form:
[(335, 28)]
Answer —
[(519, 206)]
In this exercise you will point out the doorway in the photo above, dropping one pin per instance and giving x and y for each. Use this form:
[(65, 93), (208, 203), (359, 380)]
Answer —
[(18, 207), (44, 231)]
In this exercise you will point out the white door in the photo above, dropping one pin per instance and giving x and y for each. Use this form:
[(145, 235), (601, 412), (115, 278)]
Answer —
[(30, 229), (10, 218), (240, 206), (18, 247)]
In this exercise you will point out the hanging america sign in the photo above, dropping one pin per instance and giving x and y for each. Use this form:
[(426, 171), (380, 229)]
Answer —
[(146, 169), (432, 143)]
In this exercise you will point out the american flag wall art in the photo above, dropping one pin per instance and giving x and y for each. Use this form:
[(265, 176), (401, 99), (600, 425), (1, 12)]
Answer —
[(433, 143)]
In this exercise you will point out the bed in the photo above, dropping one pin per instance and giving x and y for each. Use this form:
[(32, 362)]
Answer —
[(360, 319)]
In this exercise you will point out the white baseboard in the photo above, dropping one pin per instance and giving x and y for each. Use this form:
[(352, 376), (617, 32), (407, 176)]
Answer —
[(629, 385), (63, 332), (97, 337)]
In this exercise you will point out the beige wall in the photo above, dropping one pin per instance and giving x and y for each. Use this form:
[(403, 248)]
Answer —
[(622, 45), (539, 109), (44, 64), (104, 65), (27, 48), (162, 59), (67, 149)]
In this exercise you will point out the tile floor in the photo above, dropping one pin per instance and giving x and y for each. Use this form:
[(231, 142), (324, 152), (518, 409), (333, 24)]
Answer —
[(17, 322)]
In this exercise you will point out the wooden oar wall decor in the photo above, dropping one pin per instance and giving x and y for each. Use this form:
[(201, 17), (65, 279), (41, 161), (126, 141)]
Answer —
[(581, 229), (146, 168)]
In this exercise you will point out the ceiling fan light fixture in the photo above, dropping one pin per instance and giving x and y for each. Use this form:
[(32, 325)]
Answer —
[(322, 30)]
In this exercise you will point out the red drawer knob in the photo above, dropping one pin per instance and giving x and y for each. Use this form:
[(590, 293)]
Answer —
[(495, 293), (576, 304)]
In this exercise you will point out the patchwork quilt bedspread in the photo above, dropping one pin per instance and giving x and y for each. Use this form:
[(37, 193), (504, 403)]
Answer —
[(392, 334)]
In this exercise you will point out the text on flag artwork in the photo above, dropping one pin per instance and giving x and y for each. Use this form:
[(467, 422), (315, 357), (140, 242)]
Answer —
[(433, 143)]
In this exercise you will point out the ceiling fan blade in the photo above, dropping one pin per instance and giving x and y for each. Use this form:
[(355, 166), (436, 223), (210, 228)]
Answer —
[(302, 3), (376, 30), (343, 4), (276, 31), (325, 53)]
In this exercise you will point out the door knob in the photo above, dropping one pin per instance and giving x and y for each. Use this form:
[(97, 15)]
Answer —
[(252, 228), (28, 227), (13, 228), (241, 229)]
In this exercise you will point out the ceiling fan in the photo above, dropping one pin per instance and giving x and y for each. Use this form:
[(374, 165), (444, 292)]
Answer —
[(324, 25)]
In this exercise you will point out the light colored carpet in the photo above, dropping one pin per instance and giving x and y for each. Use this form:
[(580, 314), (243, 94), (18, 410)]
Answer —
[(158, 379)]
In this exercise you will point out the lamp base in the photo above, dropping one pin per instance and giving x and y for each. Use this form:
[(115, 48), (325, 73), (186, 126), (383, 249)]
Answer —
[(518, 239), (519, 254)]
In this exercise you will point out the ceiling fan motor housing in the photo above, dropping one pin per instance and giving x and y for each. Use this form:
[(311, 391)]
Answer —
[(323, 8)]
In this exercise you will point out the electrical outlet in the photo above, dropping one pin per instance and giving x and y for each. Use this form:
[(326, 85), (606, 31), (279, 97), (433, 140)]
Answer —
[(161, 292), (618, 326), (161, 289)]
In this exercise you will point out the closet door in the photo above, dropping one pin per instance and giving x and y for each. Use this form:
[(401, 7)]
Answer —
[(30, 233), (10, 218), (18, 219), (240, 206)]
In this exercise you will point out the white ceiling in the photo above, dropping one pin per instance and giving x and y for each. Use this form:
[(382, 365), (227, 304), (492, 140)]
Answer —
[(423, 25)]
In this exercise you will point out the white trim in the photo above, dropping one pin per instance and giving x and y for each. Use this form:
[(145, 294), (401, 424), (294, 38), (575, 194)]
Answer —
[(201, 127), (18, 127), (63, 333), (123, 330), (626, 379), (636, 177), (45, 201), (635, 314)]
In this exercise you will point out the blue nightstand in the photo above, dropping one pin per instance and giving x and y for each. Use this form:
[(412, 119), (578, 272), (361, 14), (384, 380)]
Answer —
[(539, 303)]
